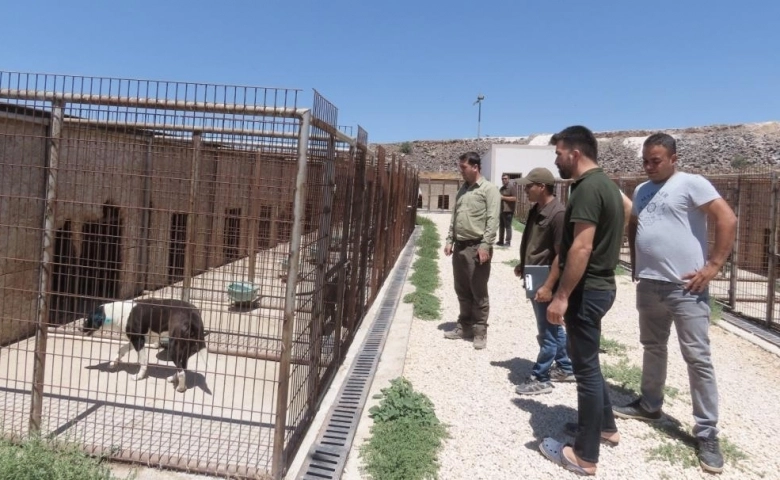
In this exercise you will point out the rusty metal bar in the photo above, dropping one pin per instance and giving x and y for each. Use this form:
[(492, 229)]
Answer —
[(254, 217), (772, 252), (345, 306), (322, 254), (153, 126), (146, 215), (44, 299), (279, 462), (734, 270), (156, 103), (189, 249)]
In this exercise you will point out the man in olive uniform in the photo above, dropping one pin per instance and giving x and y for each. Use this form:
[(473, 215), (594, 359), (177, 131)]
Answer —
[(508, 202), (470, 242)]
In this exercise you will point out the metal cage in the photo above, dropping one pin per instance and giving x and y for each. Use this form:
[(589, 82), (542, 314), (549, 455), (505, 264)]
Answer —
[(278, 227)]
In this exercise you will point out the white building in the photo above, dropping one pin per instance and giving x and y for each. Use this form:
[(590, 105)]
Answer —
[(516, 161)]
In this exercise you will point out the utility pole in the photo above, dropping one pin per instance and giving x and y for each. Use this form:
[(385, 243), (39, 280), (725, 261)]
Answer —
[(480, 97)]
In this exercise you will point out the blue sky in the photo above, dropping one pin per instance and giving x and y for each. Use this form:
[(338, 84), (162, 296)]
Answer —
[(408, 70)]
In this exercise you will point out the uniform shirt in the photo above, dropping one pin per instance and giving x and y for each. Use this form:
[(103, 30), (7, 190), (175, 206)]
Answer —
[(595, 199), (671, 235), (475, 215), (508, 191), (543, 231)]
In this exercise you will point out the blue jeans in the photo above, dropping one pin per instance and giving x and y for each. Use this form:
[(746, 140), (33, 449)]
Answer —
[(552, 345), (660, 304), (594, 410)]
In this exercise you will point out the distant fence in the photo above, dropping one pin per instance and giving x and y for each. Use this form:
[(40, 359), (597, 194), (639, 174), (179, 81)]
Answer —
[(748, 284), (115, 189)]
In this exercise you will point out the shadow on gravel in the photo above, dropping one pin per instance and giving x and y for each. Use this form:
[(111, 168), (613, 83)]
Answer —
[(447, 326), (546, 420), (620, 395), (519, 369), (673, 428)]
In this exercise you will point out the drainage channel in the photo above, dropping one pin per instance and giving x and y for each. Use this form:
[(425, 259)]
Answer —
[(329, 452)]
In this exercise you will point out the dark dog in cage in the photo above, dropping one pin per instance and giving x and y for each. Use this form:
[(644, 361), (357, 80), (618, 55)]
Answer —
[(139, 319)]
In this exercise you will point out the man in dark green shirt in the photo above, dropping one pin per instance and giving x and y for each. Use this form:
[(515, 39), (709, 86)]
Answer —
[(592, 235), (470, 242)]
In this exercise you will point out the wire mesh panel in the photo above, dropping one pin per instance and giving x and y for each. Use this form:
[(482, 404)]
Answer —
[(128, 206)]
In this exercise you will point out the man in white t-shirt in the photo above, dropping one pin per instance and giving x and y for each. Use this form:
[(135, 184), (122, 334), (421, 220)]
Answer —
[(667, 235)]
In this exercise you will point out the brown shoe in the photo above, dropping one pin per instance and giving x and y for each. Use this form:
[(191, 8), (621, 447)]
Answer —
[(460, 333), (480, 341)]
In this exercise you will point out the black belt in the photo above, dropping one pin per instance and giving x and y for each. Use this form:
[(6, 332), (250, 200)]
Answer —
[(467, 243)]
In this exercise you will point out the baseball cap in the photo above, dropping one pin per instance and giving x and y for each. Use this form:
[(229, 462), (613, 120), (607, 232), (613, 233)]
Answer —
[(537, 175)]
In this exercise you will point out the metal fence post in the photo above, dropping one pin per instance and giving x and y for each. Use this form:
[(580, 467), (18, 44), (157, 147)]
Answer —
[(772, 253), (191, 219), (322, 255), (146, 215), (734, 270), (254, 217), (278, 463), (42, 321)]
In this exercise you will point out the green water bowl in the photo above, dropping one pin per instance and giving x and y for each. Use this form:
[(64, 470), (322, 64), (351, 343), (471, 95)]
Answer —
[(242, 292)]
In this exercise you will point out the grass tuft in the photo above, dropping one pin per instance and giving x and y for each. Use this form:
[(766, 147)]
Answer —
[(678, 447), (406, 436), (716, 311), (629, 377), (612, 347), (39, 459), (425, 273), (425, 305)]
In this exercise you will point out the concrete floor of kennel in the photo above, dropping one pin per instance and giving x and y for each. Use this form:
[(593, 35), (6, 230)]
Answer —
[(224, 420)]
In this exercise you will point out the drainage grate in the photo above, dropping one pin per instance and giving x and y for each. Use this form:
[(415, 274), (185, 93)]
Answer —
[(755, 328), (329, 452)]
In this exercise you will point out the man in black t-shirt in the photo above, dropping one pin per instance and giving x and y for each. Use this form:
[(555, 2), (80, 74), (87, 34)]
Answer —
[(592, 235)]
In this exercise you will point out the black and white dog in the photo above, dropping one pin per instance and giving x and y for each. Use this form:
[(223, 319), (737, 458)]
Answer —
[(139, 319)]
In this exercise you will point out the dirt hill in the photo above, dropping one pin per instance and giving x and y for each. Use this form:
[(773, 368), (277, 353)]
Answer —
[(712, 149)]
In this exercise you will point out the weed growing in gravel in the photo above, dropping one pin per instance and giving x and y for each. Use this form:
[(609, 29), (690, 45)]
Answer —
[(674, 452), (612, 347), (512, 263), (425, 276), (426, 306), (624, 374), (406, 436), (716, 311), (629, 377), (621, 270), (679, 447), (517, 225), (36, 458)]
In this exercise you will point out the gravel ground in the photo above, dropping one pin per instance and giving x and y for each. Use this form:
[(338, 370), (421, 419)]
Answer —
[(495, 432)]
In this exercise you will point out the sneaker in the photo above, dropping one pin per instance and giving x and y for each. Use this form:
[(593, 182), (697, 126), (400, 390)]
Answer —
[(710, 458), (499, 244), (460, 333), (636, 411), (557, 374), (508, 244), (480, 341), (532, 386), (572, 429)]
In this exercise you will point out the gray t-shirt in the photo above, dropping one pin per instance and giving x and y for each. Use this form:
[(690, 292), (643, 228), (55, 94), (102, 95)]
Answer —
[(671, 238)]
